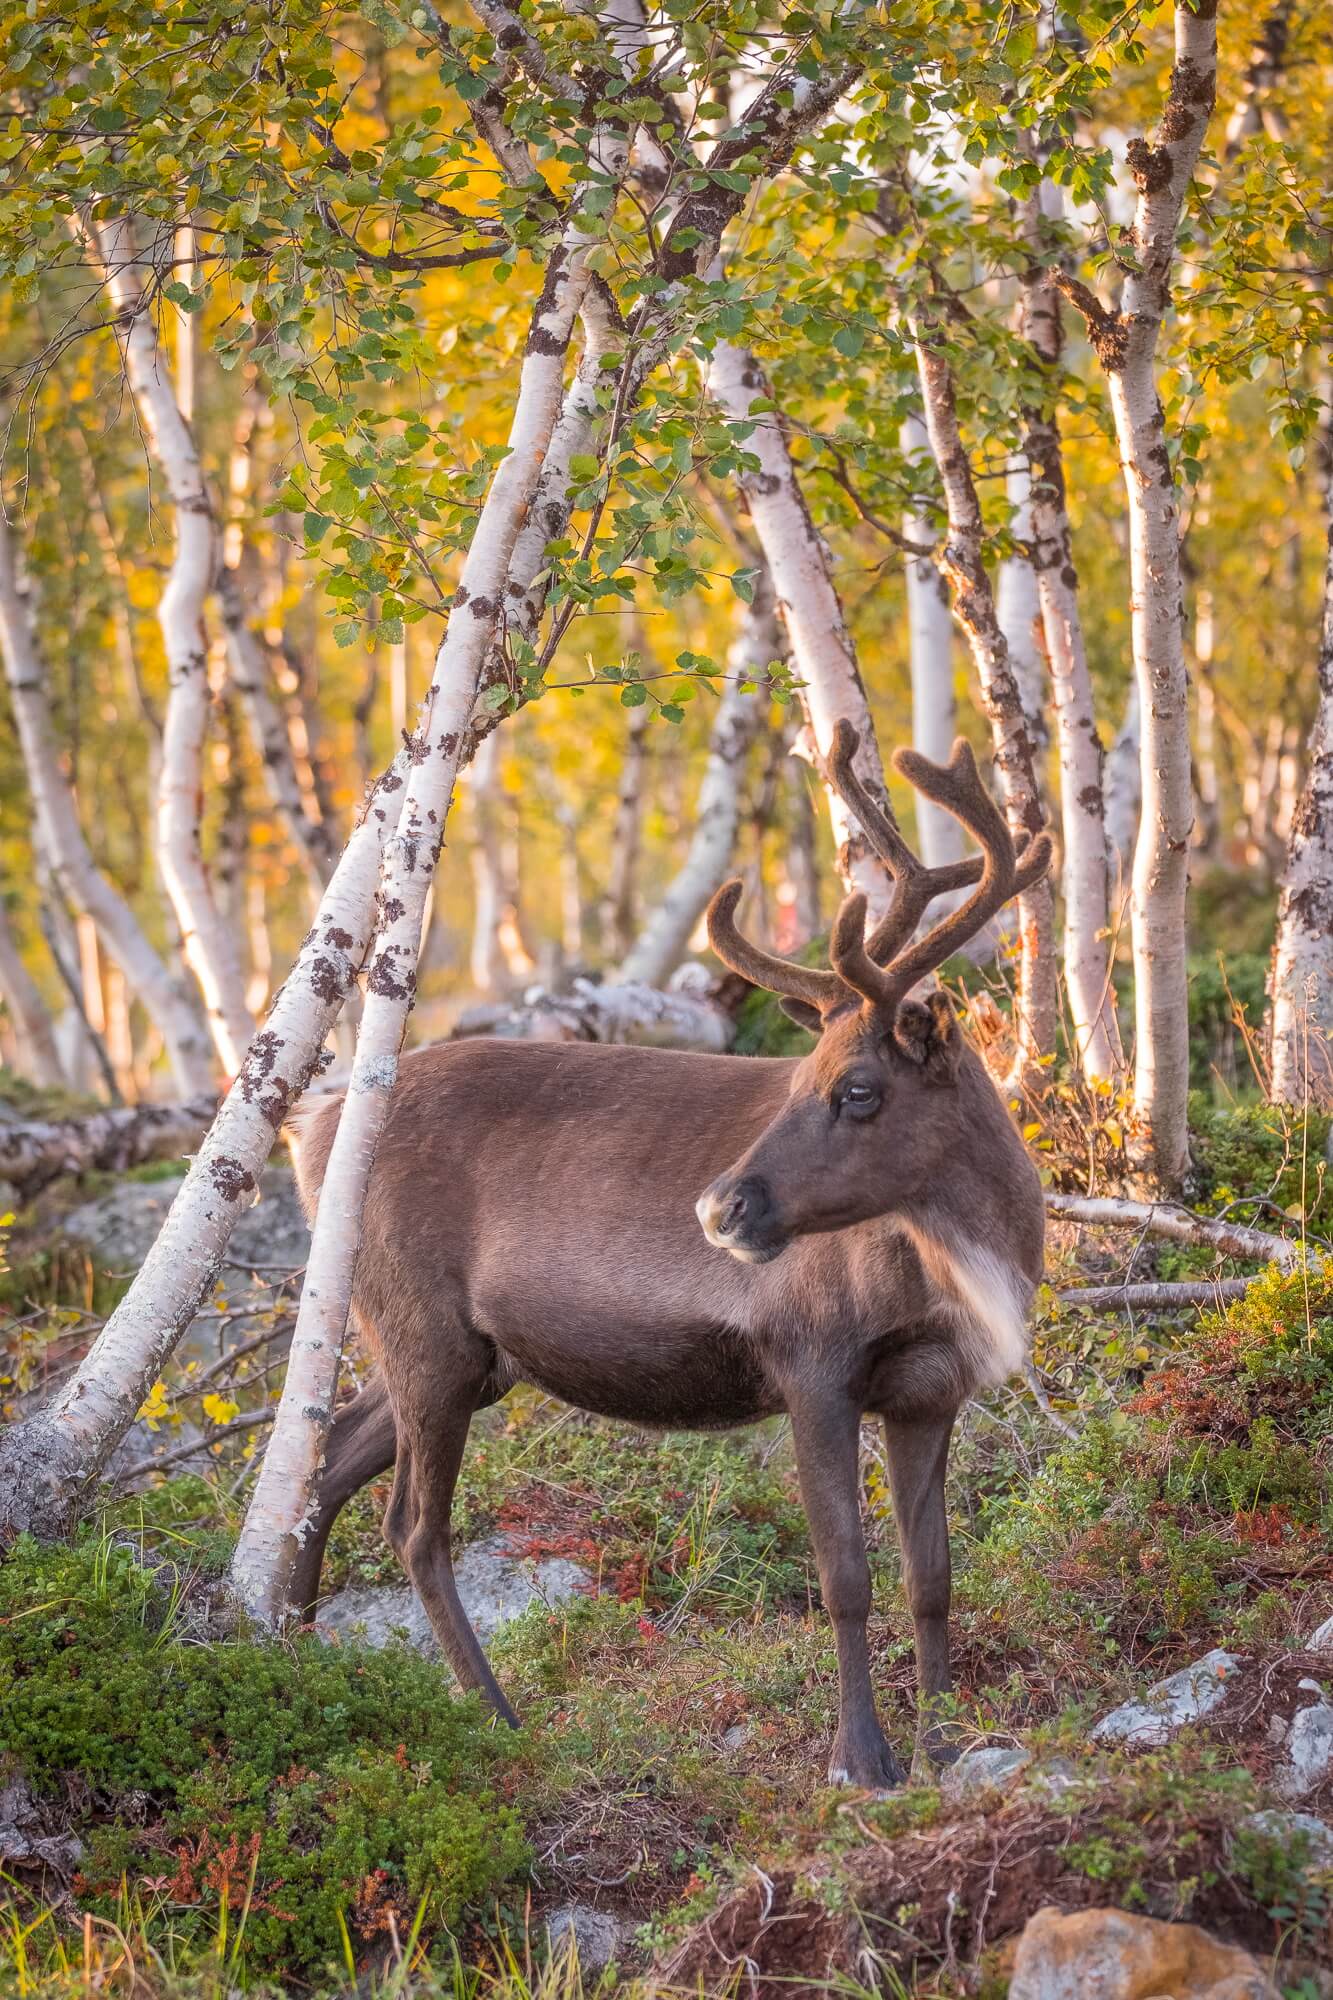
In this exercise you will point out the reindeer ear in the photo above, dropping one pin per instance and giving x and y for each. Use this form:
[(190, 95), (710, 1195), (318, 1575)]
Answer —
[(928, 1035), (804, 1015)]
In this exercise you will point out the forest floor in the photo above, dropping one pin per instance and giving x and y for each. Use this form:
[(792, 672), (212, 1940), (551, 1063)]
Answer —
[(189, 1813)]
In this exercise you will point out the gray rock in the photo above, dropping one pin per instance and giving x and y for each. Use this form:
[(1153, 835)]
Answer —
[(733, 1738), (1284, 1826), (1056, 1776), (1321, 1639), (270, 1240), (1309, 1751), (1186, 1697), (26, 1838), (494, 1586), (986, 1770), (595, 1935)]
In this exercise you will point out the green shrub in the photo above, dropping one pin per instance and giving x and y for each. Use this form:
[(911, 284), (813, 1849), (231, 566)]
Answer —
[(307, 1784)]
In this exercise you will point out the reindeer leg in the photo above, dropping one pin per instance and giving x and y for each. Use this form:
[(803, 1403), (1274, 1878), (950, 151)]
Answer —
[(361, 1445), (827, 1438), (432, 1432), (918, 1455)]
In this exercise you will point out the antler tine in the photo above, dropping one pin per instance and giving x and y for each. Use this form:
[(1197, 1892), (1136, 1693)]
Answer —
[(850, 954), (1004, 872), (810, 983), (915, 885)]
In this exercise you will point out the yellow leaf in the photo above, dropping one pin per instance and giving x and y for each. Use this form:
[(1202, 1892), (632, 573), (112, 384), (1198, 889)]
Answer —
[(220, 1409), (154, 1407), (1031, 1131)]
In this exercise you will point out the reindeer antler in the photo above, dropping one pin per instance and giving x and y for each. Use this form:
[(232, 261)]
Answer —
[(808, 983), (884, 967)]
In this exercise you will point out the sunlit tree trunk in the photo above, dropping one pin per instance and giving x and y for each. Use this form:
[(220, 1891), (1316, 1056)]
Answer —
[(1126, 344), (1015, 765), (1085, 876), (821, 647), (499, 960), (210, 949), (1301, 978), (39, 1058), (270, 1537), (930, 644), (61, 836), (665, 935), (1018, 609)]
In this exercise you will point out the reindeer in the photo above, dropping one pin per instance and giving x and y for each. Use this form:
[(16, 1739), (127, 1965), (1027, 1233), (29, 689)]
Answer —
[(693, 1241)]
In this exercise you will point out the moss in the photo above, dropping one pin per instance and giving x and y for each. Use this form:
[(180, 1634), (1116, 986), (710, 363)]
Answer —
[(313, 1786)]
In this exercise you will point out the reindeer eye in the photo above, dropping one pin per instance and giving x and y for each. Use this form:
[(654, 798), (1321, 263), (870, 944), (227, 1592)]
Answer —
[(860, 1097)]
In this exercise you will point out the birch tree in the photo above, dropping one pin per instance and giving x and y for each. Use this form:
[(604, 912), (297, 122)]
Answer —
[(974, 607), (210, 948), (930, 655), (39, 1056), (58, 828), (1084, 876), (664, 936), (1301, 978), (1125, 338)]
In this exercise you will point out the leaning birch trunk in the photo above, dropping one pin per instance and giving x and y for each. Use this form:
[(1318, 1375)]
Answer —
[(974, 608), (1301, 979), (34, 1032), (664, 938), (930, 644), (1018, 607), (210, 950), (1085, 877), (81, 882), (278, 1511), (821, 646), (50, 1461), (1126, 344)]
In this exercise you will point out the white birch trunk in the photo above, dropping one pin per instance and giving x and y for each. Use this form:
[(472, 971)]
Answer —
[(499, 961), (664, 938), (821, 646), (1126, 344), (626, 831), (1084, 874), (210, 950), (1018, 608), (930, 640), (275, 1520), (1015, 768), (49, 1462), (34, 1030), (1301, 979), (81, 882), (1124, 791)]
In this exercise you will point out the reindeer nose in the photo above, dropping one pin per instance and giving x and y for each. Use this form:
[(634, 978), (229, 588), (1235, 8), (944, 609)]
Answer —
[(728, 1211)]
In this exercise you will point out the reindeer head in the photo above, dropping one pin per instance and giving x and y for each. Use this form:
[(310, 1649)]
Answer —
[(876, 1112)]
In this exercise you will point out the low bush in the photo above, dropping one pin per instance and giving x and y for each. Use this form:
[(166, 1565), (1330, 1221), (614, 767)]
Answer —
[(300, 1787)]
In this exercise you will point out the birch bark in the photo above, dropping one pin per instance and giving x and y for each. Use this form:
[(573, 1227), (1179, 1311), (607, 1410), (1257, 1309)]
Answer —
[(49, 1462), (1301, 979), (29, 1017), (210, 950), (1126, 345), (1084, 873), (664, 938), (61, 836), (930, 640), (821, 646), (974, 608), (275, 1520)]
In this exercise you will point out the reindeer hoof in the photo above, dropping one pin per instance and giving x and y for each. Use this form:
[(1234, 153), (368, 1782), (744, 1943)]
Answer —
[(868, 1766)]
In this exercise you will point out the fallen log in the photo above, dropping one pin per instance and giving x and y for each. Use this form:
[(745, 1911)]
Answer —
[(1149, 1297), (693, 1013), (36, 1151), (1181, 1225)]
